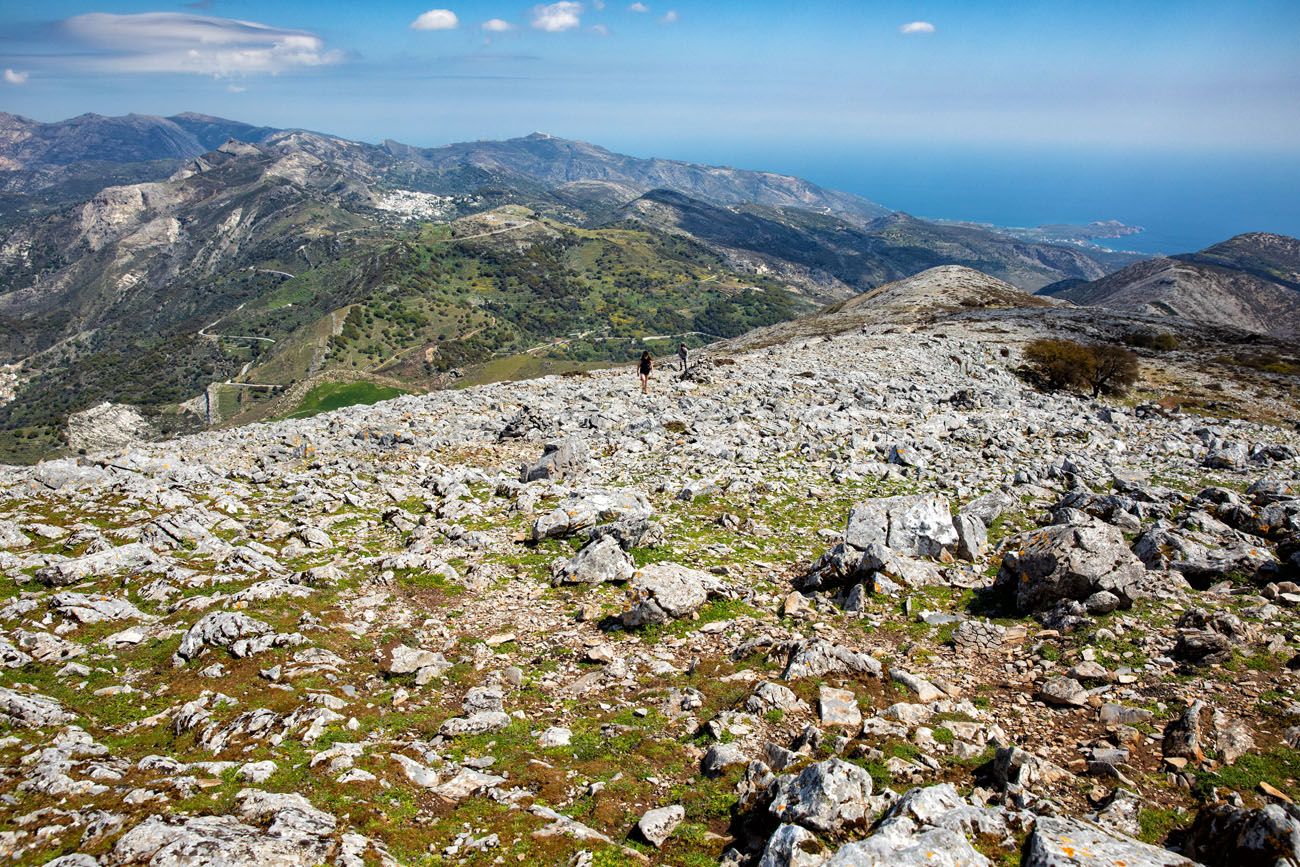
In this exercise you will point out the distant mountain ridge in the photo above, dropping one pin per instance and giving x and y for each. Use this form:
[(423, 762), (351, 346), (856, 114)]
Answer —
[(30, 145), (1250, 281), (554, 162), (812, 247)]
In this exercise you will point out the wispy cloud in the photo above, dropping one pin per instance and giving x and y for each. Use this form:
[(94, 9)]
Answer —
[(638, 7), (235, 88), (160, 42), (916, 27), (670, 17), (557, 17), (497, 25), (436, 19), (599, 29), (13, 76)]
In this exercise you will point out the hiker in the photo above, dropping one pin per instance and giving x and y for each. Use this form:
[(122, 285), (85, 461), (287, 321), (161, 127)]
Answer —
[(646, 365), (681, 355)]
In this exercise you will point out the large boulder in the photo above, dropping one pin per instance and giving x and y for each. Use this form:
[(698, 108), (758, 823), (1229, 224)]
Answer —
[(1201, 726), (901, 844), (599, 562), (917, 525), (404, 659), (31, 710), (559, 459), (107, 427), (1200, 560), (793, 846), (86, 608), (657, 825), (989, 507), (814, 657), (829, 797), (11, 536), (668, 591), (931, 826), (237, 632), (295, 835), (1068, 561)]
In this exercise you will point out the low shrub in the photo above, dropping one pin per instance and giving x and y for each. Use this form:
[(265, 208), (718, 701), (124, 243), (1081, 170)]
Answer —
[(1156, 341)]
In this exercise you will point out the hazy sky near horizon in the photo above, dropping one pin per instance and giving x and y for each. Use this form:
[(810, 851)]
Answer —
[(1155, 75)]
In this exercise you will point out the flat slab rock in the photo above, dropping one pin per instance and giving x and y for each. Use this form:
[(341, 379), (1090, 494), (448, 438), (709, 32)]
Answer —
[(31, 709), (296, 834), (134, 557), (1058, 842)]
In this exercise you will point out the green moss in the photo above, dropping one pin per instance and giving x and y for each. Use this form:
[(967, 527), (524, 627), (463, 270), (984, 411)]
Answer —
[(1156, 823), (1279, 767)]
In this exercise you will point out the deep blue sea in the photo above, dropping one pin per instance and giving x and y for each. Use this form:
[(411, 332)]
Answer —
[(1185, 201)]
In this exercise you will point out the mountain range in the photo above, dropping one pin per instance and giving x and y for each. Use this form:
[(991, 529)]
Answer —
[(1251, 281), (211, 271)]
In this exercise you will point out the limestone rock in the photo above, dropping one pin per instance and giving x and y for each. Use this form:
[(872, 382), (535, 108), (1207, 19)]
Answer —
[(106, 427), (599, 562), (814, 657), (31, 710), (1063, 561), (667, 591), (657, 825), (918, 525), (1224, 835), (827, 797), (1065, 842)]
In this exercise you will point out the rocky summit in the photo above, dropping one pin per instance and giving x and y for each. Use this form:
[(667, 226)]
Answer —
[(847, 592)]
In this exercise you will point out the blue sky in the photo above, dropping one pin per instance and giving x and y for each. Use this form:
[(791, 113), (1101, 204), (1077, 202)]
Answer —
[(683, 74)]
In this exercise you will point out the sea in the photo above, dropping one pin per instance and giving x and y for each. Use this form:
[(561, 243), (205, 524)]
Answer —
[(1185, 200)]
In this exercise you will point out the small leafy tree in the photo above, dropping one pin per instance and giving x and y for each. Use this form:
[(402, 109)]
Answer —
[(1110, 370), (1059, 365), (1056, 365)]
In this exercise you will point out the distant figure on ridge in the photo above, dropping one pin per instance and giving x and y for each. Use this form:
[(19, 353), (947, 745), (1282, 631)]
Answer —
[(646, 365), (681, 355)]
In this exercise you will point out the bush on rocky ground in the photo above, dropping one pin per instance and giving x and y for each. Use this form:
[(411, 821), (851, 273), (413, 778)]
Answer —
[(1156, 341)]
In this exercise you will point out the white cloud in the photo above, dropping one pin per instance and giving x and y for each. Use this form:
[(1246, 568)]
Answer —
[(670, 17), (14, 77), (235, 88), (557, 17), (598, 4), (638, 7), (436, 19), (599, 29), (913, 27), (180, 42), (497, 25)]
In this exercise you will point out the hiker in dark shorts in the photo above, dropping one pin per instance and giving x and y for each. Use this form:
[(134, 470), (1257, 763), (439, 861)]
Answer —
[(681, 355), (646, 365)]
